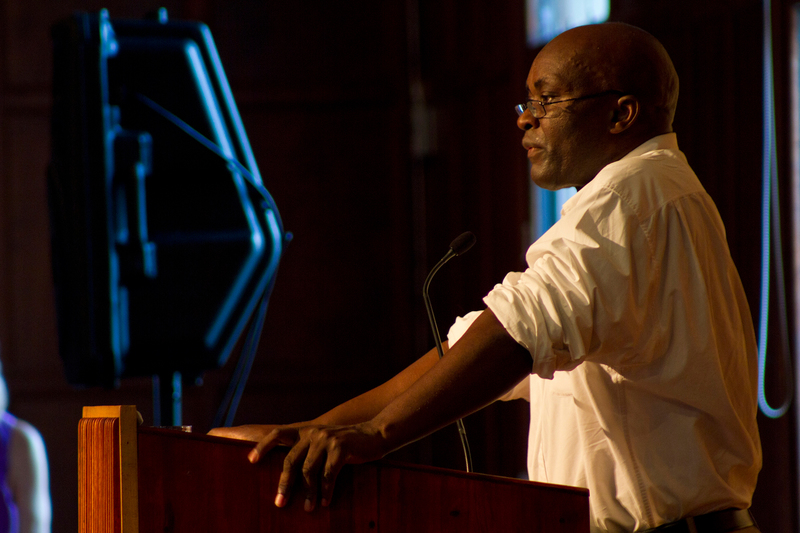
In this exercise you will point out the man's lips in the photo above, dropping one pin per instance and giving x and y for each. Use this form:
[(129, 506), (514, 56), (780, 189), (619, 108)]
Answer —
[(531, 148)]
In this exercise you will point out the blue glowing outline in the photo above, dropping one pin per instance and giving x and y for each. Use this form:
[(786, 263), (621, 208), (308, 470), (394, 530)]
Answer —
[(225, 148)]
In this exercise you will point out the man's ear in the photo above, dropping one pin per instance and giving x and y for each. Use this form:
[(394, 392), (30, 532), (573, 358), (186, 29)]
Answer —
[(625, 113)]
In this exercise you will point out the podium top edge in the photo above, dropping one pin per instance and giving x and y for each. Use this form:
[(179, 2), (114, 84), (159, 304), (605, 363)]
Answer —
[(109, 411)]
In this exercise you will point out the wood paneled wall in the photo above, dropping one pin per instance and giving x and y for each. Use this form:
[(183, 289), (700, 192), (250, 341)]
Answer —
[(327, 92)]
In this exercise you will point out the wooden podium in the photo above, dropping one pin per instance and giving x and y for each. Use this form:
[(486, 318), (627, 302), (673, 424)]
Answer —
[(146, 480)]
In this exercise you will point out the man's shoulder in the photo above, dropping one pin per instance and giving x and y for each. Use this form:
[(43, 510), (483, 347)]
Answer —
[(647, 181)]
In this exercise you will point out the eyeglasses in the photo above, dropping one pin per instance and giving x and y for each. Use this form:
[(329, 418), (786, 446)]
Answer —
[(537, 108)]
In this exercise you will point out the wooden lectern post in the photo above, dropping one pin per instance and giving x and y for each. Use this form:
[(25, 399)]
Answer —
[(189, 483), (107, 470)]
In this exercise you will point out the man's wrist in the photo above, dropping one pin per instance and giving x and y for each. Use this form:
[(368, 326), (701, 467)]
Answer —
[(382, 434)]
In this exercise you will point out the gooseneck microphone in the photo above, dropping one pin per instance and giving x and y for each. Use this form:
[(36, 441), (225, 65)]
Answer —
[(460, 245)]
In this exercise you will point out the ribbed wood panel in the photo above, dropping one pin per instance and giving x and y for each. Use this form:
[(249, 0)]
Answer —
[(107, 470), (99, 489)]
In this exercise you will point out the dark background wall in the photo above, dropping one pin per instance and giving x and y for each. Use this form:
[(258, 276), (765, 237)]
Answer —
[(327, 92)]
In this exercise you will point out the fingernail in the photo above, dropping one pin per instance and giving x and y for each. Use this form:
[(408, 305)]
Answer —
[(324, 502), (252, 456), (280, 500), (309, 505)]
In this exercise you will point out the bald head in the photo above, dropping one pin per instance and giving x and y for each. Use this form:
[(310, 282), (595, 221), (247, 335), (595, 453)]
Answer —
[(622, 57)]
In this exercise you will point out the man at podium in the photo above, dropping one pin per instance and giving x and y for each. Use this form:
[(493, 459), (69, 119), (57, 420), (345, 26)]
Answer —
[(629, 332)]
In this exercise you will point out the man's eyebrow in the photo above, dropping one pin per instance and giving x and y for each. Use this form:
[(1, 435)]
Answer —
[(537, 85), (540, 82)]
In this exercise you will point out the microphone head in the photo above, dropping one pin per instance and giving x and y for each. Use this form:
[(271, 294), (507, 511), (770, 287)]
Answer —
[(463, 242)]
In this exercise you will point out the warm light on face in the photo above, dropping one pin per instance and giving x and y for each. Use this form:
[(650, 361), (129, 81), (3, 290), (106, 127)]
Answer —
[(544, 20)]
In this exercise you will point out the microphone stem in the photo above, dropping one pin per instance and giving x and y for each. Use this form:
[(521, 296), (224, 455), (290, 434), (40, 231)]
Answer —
[(431, 317), (462, 431)]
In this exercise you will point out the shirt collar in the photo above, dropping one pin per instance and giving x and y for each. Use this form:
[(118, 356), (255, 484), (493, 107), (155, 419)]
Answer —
[(666, 141)]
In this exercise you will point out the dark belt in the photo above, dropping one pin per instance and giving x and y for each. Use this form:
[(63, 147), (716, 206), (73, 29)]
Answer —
[(716, 522)]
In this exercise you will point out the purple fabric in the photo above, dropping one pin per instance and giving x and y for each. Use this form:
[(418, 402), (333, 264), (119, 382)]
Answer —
[(9, 517)]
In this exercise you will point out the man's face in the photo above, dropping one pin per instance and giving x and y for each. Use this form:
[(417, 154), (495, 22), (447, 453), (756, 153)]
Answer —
[(567, 147)]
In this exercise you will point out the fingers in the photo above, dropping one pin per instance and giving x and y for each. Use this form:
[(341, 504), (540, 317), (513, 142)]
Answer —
[(250, 432), (311, 466), (276, 437), (296, 455), (319, 459), (220, 432), (316, 457), (229, 433), (333, 466)]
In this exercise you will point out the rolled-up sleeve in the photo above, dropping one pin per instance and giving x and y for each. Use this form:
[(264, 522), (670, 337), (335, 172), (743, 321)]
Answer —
[(585, 286)]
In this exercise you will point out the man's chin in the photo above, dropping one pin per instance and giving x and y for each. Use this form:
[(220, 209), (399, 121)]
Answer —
[(544, 183)]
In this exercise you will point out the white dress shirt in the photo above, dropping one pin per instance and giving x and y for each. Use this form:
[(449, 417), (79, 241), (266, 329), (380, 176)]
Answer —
[(638, 326)]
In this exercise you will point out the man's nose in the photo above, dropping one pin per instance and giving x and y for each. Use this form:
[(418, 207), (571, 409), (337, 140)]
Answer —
[(526, 121)]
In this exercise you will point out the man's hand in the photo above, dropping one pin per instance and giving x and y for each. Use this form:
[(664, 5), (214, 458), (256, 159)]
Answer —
[(252, 432), (318, 454)]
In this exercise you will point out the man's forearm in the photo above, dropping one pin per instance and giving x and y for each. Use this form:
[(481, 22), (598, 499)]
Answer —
[(367, 405), (478, 369), (359, 409)]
